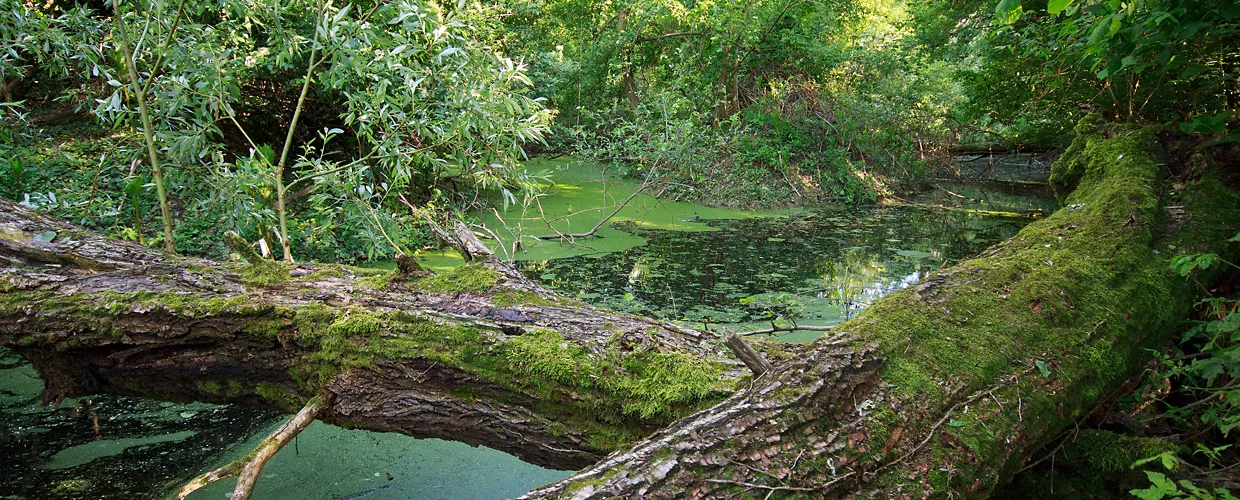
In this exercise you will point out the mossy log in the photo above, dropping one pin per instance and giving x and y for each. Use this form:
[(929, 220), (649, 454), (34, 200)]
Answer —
[(479, 355), (946, 386)]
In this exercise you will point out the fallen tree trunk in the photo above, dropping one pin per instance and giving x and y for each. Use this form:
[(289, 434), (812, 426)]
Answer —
[(479, 355), (949, 385)]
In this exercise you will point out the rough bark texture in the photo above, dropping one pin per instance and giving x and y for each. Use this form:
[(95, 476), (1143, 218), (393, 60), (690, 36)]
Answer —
[(479, 355), (752, 358), (945, 387)]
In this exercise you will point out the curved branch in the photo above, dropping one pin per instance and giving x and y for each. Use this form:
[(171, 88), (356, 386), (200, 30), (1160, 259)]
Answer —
[(248, 469), (794, 328), (559, 235)]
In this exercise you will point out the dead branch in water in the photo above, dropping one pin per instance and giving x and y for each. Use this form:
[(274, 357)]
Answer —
[(247, 469)]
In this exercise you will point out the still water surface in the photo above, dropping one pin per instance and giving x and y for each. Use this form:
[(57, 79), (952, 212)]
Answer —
[(705, 267)]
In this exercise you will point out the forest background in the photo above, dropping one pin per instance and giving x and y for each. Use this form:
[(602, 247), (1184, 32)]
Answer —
[(317, 125)]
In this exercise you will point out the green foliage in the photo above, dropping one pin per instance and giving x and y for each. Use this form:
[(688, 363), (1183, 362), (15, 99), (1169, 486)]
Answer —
[(1146, 60), (1206, 364), (774, 307), (400, 96), (1195, 388), (1186, 264), (1040, 287), (1162, 486), (755, 104)]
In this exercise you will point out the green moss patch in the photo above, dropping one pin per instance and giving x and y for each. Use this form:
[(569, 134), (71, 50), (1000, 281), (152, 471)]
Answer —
[(1060, 313), (1106, 452), (265, 273), (616, 397), (469, 278), (1058, 287), (650, 384)]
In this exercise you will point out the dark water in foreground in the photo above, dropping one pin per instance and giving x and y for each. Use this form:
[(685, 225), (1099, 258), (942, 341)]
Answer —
[(820, 267), (114, 447)]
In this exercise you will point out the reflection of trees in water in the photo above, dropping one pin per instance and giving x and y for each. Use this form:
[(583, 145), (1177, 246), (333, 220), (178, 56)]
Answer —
[(850, 257), (849, 277), (999, 197)]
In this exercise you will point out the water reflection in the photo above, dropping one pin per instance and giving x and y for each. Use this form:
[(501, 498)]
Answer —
[(107, 446), (117, 447), (823, 267)]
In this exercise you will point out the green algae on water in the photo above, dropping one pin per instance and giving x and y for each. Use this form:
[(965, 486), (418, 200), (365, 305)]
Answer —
[(579, 196)]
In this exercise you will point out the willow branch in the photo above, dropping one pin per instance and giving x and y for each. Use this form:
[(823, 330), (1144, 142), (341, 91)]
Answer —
[(559, 235), (159, 59)]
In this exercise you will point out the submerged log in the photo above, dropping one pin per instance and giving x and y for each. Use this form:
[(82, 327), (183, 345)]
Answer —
[(945, 387)]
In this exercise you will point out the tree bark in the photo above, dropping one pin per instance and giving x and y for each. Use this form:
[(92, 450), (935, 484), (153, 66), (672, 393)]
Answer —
[(752, 358), (395, 353), (946, 387)]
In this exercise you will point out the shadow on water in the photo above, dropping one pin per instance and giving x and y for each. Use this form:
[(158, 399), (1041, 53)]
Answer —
[(106, 446), (118, 447)]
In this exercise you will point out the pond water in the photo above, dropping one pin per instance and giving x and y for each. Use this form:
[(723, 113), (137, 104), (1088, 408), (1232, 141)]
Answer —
[(703, 267), (114, 447)]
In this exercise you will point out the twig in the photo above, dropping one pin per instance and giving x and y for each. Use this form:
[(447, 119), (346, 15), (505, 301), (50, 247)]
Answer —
[(507, 256), (793, 328), (248, 468), (763, 486), (1043, 459), (946, 415), (559, 235), (602, 221)]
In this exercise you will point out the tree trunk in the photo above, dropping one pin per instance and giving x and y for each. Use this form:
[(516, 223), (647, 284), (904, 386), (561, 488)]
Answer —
[(946, 386), (479, 355)]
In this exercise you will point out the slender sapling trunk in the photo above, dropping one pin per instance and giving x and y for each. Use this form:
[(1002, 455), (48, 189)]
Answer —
[(147, 132)]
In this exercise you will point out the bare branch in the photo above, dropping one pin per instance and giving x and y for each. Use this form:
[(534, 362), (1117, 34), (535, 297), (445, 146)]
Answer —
[(247, 469)]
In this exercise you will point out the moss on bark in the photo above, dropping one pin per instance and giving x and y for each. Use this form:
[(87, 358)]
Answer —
[(1048, 322)]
